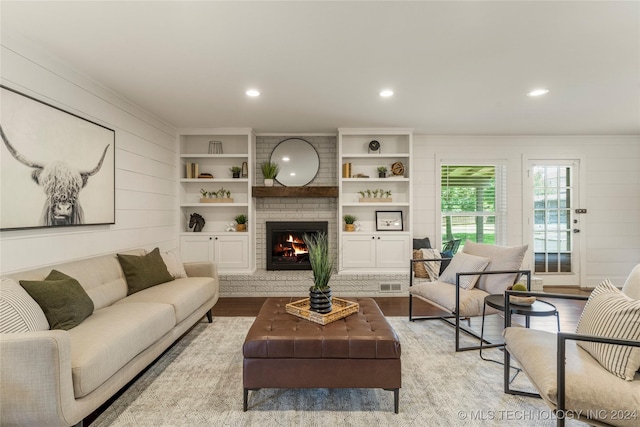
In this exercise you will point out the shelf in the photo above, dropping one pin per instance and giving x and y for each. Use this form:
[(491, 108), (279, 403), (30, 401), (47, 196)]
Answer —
[(383, 204), (389, 179), (211, 205), (295, 191), (214, 179), (214, 156), (373, 156)]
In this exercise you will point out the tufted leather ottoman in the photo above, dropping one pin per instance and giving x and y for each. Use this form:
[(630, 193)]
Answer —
[(285, 351)]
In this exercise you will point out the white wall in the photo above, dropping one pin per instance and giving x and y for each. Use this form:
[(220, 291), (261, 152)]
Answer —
[(610, 191), (146, 160)]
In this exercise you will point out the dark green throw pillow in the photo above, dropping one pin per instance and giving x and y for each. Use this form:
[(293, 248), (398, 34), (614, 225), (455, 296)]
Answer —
[(63, 300), (144, 271)]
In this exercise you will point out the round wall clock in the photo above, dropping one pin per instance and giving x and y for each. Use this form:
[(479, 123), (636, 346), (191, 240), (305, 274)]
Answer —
[(374, 147)]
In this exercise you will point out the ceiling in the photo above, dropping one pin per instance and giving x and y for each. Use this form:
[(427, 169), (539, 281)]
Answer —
[(458, 68)]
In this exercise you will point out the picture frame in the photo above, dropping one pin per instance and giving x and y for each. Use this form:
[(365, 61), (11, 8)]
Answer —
[(57, 169), (389, 221)]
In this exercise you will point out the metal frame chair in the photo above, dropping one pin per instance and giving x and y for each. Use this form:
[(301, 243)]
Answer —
[(561, 410), (455, 315)]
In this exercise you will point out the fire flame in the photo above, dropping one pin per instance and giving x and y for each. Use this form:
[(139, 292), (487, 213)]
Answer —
[(297, 245)]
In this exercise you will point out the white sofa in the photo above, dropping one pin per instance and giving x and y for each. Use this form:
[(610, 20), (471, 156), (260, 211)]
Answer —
[(59, 377)]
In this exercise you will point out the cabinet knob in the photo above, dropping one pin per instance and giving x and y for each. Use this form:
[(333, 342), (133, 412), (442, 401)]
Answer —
[(210, 238)]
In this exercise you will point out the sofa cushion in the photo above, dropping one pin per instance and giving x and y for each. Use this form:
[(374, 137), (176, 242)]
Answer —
[(610, 313), (502, 258), (184, 295), (18, 311), (64, 302), (112, 337), (463, 262), (631, 287), (443, 295), (536, 352), (144, 271)]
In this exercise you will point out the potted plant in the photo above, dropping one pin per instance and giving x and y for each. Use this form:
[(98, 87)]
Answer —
[(270, 171), (235, 171), (241, 222), (348, 222), (322, 266), (382, 172)]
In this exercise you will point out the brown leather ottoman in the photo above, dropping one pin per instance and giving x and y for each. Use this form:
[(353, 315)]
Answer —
[(285, 351)]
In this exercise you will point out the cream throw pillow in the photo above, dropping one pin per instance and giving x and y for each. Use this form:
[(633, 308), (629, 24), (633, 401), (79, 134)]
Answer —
[(174, 264), (464, 263), (610, 313), (631, 286)]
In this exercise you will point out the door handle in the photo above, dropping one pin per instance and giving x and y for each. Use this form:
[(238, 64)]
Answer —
[(576, 230)]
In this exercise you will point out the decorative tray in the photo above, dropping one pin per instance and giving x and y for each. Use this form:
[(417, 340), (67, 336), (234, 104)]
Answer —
[(340, 308)]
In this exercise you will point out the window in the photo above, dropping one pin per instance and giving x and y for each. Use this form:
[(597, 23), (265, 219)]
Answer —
[(473, 203), (552, 230)]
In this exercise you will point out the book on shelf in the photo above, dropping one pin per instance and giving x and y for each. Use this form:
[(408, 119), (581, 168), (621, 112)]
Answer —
[(192, 170)]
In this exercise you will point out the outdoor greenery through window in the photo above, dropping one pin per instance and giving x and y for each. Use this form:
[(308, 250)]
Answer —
[(472, 203)]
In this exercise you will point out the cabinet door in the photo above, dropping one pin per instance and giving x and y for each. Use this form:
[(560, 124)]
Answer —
[(392, 251), (196, 248), (232, 252), (358, 251)]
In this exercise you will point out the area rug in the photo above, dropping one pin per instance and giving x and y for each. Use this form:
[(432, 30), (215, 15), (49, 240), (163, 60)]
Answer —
[(199, 383)]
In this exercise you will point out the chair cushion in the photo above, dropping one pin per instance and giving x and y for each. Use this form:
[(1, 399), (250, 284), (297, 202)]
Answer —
[(502, 258), (463, 262), (63, 300), (631, 286), (443, 295), (610, 313), (18, 311), (589, 387)]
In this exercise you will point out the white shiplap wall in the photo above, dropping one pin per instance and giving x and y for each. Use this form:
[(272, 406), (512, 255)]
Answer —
[(610, 191), (146, 159)]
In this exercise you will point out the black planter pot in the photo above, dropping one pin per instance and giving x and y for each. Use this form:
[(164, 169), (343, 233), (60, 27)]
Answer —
[(320, 300)]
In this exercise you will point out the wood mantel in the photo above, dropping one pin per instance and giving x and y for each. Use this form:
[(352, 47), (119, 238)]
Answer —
[(294, 191)]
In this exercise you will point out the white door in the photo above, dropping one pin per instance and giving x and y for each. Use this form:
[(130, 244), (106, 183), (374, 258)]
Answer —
[(196, 248), (358, 251), (392, 252), (553, 220), (232, 252)]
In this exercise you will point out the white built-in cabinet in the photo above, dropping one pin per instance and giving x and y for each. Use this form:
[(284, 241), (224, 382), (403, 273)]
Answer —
[(370, 249), (232, 251)]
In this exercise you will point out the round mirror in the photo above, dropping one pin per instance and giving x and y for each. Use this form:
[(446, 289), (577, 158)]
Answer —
[(298, 160)]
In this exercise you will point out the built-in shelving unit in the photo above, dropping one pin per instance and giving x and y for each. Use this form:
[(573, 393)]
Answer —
[(232, 251), (370, 249)]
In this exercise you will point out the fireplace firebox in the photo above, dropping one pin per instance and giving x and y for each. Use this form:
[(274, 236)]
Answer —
[(286, 249)]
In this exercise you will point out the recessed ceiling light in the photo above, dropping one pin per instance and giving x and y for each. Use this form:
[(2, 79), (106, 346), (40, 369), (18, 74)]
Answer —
[(538, 92), (386, 93), (253, 93)]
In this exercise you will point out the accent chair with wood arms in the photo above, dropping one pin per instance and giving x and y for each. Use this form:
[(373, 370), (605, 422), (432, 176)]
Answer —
[(479, 270), (590, 375)]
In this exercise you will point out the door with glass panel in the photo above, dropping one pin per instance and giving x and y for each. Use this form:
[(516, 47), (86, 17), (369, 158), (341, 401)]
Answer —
[(554, 225)]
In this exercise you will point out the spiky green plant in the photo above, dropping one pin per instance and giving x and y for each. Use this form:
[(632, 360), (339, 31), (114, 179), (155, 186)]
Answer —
[(241, 219), (270, 170), (349, 219), (320, 259)]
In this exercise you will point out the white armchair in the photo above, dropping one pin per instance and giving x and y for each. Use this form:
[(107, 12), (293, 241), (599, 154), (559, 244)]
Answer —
[(589, 375)]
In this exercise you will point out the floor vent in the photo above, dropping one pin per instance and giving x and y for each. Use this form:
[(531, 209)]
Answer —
[(390, 287)]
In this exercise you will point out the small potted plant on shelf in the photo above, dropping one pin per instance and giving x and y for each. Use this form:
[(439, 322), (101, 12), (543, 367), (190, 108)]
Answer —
[(322, 266), (348, 222), (235, 171), (382, 172), (270, 171), (241, 222)]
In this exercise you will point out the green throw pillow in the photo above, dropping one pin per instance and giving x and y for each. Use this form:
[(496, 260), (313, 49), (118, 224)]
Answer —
[(144, 271), (63, 300)]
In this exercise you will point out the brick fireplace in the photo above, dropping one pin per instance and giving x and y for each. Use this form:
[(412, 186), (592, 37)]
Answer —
[(286, 249)]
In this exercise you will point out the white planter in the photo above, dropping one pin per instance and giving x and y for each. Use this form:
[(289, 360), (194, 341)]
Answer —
[(268, 182)]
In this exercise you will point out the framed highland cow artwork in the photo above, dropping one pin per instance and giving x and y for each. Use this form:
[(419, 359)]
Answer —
[(57, 169)]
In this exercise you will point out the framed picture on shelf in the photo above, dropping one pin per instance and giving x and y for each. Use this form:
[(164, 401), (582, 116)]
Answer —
[(57, 169), (389, 221)]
